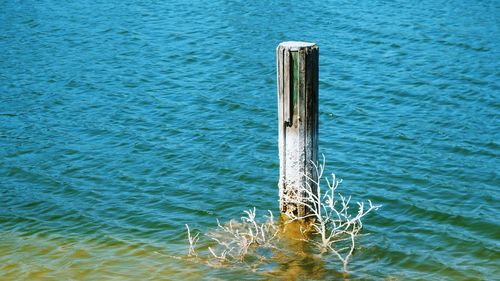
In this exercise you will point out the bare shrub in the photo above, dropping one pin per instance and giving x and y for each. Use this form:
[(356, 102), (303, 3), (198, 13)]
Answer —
[(330, 216), (236, 239)]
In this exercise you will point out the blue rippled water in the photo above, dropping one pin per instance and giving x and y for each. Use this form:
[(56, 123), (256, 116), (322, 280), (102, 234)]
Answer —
[(120, 121)]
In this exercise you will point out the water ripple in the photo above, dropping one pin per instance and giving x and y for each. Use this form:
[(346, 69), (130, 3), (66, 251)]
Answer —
[(121, 122)]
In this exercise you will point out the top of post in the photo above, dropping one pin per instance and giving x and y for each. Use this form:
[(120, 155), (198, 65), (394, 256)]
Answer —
[(296, 45)]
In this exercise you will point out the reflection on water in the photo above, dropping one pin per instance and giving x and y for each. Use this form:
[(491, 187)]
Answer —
[(298, 260)]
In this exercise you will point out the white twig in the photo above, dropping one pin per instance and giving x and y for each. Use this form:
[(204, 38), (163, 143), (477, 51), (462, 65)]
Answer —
[(192, 242)]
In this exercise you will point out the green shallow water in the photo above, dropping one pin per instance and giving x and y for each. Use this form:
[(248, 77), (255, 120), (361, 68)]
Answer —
[(122, 121)]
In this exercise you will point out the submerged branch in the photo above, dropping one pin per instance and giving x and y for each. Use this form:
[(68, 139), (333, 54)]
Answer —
[(330, 218)]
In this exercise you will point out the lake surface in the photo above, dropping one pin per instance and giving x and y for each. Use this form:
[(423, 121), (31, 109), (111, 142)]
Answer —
[(121, 121)]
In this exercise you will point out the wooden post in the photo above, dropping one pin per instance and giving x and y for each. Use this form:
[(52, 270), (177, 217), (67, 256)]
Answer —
[(297, 66)]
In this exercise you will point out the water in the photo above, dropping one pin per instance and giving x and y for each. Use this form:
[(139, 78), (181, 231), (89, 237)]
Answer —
[(120, 121)]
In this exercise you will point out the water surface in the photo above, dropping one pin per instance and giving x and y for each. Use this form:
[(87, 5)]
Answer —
[(120, 121)]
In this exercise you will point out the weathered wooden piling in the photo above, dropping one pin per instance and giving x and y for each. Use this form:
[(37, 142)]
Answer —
[(297, 67)]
